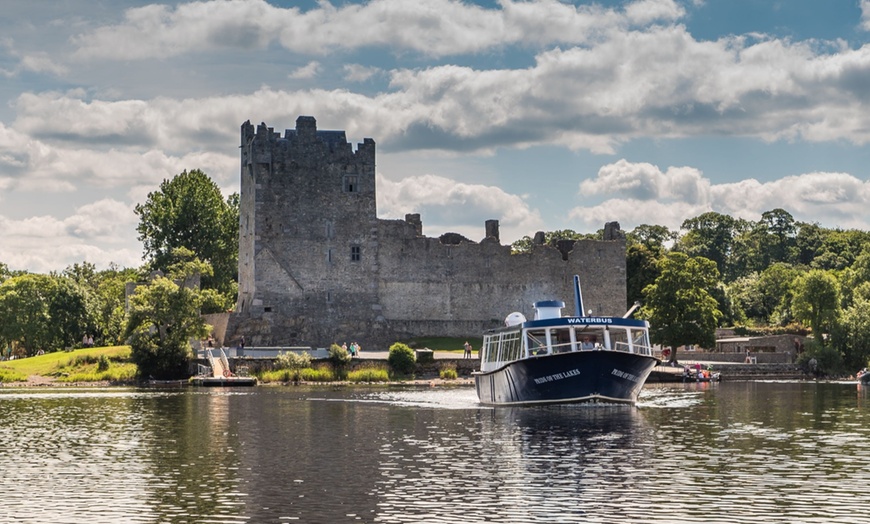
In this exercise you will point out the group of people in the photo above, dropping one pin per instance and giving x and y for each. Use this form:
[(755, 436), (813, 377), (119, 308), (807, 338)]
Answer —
[(88, 341), (354, 349)]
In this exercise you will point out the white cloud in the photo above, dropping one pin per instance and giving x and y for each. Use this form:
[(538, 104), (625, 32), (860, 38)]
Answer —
[(431, 27), (643, 12), (42, 63), (667, 85), (39, 165), (638, 193), (359, 73), (865, 14), (44, 243), (309, 70), (447, 205)]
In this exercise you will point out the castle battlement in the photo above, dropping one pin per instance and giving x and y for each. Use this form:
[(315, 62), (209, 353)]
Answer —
[(316, 264)]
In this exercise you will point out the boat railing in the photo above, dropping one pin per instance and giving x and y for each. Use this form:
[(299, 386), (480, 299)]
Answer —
[(640, 350)]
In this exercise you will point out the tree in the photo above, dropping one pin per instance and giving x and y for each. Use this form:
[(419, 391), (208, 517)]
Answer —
[(709, 235), (163, 318), (42, 312), (779, 229), (853, 338), (840, 248), (645, 246), (188, 211), (680, 305), (651, 236), (71, 312), (110, 302), (641, 270), (817, 301)]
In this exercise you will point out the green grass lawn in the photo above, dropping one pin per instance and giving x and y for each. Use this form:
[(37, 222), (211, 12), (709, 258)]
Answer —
[(65, 362)]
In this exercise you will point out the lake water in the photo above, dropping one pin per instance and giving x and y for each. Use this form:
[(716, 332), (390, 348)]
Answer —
[(737, 452)]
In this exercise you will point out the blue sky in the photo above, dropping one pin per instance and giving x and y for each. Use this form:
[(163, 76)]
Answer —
[(542, 114)]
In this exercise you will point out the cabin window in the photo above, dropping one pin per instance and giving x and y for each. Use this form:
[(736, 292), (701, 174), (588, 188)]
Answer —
[(511, 346), (640, 341), (588, 341), (619, 339), (561, 340), (489, 348), (351, 184), (537, 342), (355, 253)]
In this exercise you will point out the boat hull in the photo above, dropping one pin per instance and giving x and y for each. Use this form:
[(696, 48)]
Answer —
[(581, 376)]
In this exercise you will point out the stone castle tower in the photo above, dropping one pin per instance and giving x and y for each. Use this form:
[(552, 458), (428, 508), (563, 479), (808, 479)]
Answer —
[(317, 266)]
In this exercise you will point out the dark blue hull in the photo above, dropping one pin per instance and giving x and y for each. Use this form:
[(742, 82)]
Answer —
[(581, 376)]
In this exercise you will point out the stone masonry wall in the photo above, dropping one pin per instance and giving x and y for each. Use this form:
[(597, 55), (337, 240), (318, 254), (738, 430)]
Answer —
[(317, 266)]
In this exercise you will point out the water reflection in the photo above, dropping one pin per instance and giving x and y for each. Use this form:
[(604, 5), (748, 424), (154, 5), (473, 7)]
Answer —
[(729, 452)]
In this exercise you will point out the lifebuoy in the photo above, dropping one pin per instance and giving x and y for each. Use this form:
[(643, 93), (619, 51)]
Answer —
[(227, 373)]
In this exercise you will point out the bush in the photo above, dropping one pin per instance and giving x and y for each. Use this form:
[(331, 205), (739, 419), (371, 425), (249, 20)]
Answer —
[(820, 360), (448, 372), (402, 359), (321, 374), (339, 356), (278, 375), (369, 373), (103, 364), (293, 361)]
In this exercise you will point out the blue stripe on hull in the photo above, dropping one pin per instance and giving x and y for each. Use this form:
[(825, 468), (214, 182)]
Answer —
[(582, 376)]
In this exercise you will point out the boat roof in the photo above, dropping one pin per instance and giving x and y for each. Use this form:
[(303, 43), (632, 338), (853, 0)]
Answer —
[(578, 322)]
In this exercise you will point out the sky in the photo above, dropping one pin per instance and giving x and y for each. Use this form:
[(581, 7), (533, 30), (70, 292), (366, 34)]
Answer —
[(542, 114)]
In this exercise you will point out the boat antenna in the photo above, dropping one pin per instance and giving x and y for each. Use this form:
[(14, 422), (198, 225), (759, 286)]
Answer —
[(578, 298), (633, 308)]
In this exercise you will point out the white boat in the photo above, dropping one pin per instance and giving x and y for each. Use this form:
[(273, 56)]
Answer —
[(563, 359)]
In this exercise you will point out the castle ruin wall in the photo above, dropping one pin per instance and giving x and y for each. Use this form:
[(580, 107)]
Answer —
[(317, 266)]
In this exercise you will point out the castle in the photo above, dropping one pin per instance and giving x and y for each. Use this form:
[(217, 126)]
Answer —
[(316, 264)]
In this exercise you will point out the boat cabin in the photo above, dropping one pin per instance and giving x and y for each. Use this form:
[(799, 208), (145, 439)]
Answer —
[(551, 334)]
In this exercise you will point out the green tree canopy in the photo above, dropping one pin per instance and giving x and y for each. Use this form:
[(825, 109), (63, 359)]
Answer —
[(645, 245), (854, 332), (188, 211), (42, 312), (709, 235), (817, 301), (163, 318), (680, 305)]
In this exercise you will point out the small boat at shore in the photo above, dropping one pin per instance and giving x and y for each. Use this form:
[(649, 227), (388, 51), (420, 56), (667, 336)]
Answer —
[(864, 377), (554, 359), (691, 375)]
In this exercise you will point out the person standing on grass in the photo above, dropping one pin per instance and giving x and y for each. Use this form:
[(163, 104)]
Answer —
[(467, 353)]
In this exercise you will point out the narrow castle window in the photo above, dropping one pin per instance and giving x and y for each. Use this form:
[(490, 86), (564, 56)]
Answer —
[(351, 184), (329, 255), (355, 253)]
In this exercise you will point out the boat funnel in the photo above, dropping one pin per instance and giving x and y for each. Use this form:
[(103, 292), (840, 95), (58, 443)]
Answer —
[(548, 309)]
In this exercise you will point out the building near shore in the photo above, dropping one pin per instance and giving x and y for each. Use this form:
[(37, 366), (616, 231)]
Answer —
[(317, 265)]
